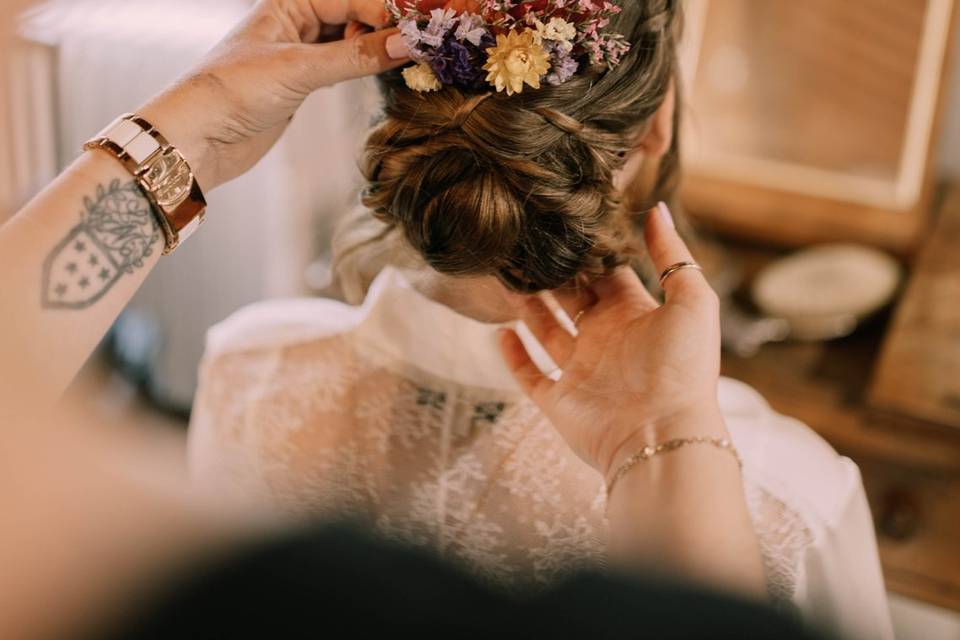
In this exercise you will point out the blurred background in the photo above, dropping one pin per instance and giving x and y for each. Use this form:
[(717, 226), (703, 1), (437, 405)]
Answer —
[(822, 187)]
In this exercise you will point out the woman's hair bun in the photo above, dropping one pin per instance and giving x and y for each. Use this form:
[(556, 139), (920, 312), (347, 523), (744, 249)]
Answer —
[(521, 187), (480, 186)]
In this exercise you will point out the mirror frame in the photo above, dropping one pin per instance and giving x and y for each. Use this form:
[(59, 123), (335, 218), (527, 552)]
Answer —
[(792, 204)]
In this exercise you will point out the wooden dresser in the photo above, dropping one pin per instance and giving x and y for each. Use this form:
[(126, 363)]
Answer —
[(884, 397)]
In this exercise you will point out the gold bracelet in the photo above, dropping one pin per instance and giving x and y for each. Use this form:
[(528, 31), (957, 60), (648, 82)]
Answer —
[(162, 173), (650, 451)]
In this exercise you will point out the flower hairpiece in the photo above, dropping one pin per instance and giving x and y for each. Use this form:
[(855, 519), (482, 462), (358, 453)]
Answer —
[(507, 44)]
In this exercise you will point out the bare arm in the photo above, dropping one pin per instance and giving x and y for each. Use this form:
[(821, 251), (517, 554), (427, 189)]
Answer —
[(684, 511), (640, 374), (95, 517), (73, 258), (68, 272)]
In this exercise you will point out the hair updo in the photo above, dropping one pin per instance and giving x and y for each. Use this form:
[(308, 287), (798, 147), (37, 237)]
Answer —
[(521, 187)]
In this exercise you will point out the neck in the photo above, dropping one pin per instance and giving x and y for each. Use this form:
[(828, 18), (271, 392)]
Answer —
[(485, 299)]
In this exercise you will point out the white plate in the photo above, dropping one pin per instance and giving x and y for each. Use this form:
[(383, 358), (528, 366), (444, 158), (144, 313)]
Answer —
[(825, 291)]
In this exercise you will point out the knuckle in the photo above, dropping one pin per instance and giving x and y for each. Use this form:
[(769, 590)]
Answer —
[(699, 295), (709, 301), (709, 297), (355, 53)]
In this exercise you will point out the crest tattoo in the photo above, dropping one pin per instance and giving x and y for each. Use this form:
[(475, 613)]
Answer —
[(117, 231)]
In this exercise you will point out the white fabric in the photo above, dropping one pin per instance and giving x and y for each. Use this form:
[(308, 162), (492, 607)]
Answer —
[(401, 412)]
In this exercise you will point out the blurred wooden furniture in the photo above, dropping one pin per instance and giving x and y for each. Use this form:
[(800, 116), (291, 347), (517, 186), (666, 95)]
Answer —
[(918, 374), (909, 454), (814, 121)]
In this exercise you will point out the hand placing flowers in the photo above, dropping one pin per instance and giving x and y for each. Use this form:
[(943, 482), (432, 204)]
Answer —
[(506, 44)]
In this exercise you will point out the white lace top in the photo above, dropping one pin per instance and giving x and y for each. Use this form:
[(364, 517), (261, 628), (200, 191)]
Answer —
[(400, 412)]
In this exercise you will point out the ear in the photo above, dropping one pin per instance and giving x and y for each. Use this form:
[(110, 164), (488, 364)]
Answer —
[(636, 175), (658, 138)]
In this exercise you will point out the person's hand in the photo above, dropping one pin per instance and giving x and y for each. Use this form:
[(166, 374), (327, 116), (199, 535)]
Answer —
[(460, 6), (637, 373), (231, 109)]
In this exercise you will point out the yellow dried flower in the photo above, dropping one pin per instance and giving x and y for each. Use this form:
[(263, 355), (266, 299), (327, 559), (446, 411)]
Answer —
[(421, 78), (517, 59)]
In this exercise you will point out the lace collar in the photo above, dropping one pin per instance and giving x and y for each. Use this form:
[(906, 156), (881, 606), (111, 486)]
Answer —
[(395, 320), (404, 324)]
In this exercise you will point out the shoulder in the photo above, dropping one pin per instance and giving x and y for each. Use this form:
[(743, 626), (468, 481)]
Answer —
[(277, 324), (789, 460), (280, 323), (260, 362)]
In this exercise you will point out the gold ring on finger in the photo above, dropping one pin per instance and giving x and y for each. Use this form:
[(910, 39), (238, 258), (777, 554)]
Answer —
[(672, 269)]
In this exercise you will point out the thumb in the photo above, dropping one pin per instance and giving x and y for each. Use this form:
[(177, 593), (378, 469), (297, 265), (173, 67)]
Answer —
[(363, 55)]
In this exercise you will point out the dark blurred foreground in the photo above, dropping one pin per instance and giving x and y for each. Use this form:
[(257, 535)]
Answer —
[(337, 581)]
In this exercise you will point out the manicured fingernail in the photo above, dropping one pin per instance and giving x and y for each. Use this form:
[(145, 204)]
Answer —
[(397, 49), (665, 214)]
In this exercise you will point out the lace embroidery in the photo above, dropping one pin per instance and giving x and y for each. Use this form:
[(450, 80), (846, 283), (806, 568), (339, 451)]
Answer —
[(329, 427), (783, 538)]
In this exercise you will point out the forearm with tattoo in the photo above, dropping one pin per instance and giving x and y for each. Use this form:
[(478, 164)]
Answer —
[(116, 233)]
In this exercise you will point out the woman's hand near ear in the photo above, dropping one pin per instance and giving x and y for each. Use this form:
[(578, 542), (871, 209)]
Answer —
[(639, 374), (637, 368), (229, 111)]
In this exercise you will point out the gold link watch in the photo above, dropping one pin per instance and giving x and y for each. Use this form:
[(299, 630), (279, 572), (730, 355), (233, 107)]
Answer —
[(162, 173)]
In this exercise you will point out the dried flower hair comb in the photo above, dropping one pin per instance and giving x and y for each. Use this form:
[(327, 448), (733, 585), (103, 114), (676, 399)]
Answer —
[(507, 44)]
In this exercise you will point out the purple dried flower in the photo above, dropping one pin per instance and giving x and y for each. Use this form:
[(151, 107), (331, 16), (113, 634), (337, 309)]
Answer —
[(441, 22), (412, 36), (562, 69), (471, 29), (461, 64)]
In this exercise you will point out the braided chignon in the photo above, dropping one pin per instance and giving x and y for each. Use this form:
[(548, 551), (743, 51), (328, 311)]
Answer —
[(521, 187)]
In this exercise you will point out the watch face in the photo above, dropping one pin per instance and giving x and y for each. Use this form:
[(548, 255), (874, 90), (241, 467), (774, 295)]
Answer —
[(170, 179)]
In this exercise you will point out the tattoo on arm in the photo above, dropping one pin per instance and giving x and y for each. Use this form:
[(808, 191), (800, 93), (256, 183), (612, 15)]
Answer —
[(117, 231)]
